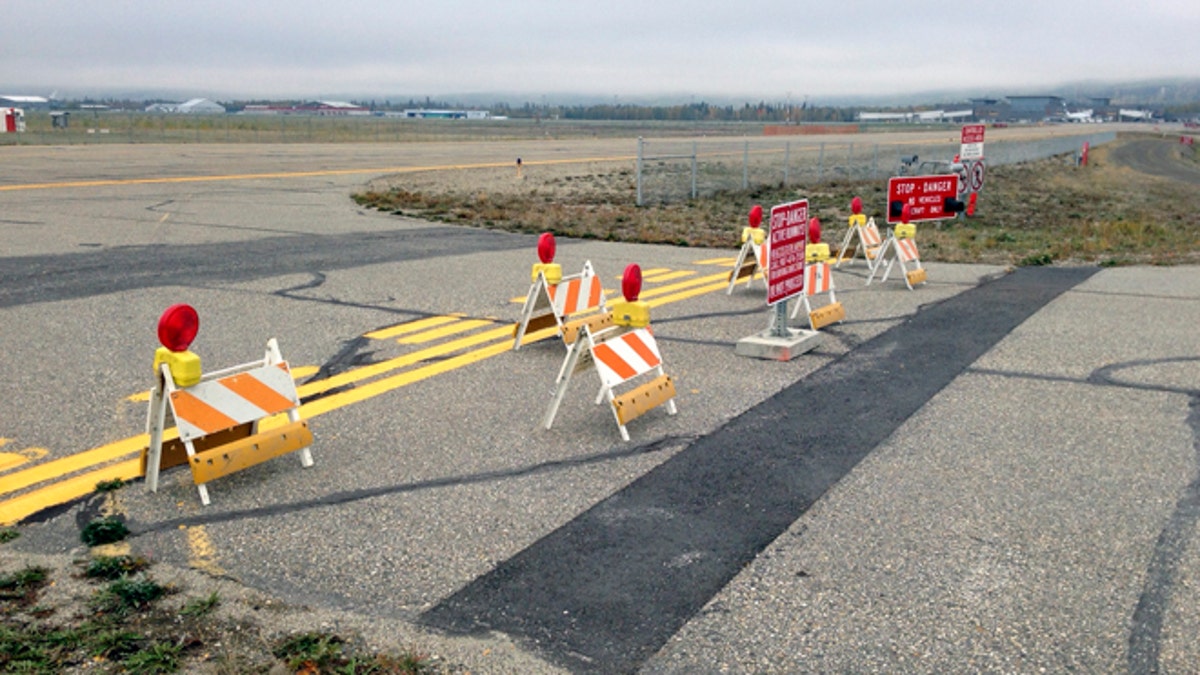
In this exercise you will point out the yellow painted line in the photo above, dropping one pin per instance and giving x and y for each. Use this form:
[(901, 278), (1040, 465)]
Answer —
[(646, 274), (452, 329), (411, 327), (357, 394), (367, 372), (202, 554), (684, 295), (4, 442), (716, 261), (9, 460), (667, 277), (520, 300), (164, 218), (304, 371), (16, 510), (72, 463), (671, 288), (295, 174)]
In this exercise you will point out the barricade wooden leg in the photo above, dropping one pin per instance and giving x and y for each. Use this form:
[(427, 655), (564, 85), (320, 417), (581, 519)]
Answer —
[(845, 246), (564, 379), (156, 418)]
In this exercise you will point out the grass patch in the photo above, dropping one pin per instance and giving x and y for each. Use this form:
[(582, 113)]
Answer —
[(201, 606), (110, 485), (126, 595), (1026, 212), (109, 568), (325, 653), (104, 531), (7, 534), (128, 624)]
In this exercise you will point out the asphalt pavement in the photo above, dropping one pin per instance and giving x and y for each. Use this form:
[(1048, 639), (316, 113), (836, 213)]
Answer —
[(996, 471)]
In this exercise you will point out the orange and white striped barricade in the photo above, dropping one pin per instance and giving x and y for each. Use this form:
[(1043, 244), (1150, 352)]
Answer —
[(574, 301), (619, 358), (818, 279), (901, 246), (217, 418), (863, 235)]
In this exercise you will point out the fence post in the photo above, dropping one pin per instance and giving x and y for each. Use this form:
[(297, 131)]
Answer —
[(787, 161), (746, 165), (639, 171), (694, 169)]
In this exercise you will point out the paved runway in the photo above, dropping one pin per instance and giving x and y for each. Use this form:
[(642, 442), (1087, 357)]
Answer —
[(994, 472)]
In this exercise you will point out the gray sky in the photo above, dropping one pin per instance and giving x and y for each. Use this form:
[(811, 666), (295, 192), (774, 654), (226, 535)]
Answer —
[(754, 49)]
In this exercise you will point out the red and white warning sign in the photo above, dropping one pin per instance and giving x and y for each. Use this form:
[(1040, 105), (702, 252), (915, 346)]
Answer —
[(972, 142), (785, 265), (928, 197)]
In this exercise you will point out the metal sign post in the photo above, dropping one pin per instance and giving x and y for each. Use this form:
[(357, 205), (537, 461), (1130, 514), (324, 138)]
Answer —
[(785, 279)]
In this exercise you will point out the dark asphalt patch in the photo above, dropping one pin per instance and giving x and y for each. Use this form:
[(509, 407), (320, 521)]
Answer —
[(607, 590), (49, 278)]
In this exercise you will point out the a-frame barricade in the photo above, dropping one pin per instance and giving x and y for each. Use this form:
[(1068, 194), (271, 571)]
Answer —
[(620, 356), (818, 279), (217, 419), (751, 260), (901, 247), (864, 236), (574, 301)]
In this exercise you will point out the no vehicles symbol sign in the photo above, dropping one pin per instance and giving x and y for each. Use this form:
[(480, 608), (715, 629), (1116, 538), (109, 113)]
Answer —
[(975, 175)]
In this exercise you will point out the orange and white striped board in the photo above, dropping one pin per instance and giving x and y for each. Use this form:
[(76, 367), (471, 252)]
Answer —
[(217, 420), (574, 301), (868, 241), (619, 357), (818, 279), (901, 247), (751, 262), (216, 405)]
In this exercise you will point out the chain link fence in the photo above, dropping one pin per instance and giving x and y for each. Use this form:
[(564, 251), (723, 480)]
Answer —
[(673, 170)]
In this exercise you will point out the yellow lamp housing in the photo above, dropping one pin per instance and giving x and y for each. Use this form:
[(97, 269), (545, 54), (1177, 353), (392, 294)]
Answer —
[(906, 231), (857, 219), (815, 253), (634, 314), (184, 366), (755, 233), (552, 272)]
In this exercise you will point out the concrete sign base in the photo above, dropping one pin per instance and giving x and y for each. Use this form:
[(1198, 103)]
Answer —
[(765, 345)]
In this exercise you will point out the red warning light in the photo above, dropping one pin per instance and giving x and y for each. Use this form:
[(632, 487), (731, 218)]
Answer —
[(906, 213), (546, 248), (814, 231), (756, 216), (856, 205), (177, 327), (631, 282)]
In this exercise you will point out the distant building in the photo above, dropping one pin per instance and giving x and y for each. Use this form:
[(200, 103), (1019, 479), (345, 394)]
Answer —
[(1035, 108), (196, 106), (320, 108), (25, 102)]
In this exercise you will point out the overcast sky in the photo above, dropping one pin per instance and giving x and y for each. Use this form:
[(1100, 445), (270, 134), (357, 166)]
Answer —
[(541, 49)]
